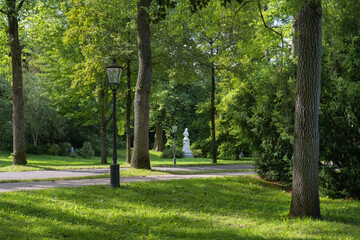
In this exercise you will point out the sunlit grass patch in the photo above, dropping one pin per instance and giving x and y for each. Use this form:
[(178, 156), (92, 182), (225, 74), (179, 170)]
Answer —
[(217, 208)]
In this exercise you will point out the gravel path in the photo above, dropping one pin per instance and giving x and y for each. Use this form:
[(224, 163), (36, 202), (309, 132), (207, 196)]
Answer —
[(17, 186)]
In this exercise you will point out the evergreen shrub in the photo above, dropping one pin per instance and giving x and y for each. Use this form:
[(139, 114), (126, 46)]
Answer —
[(169, 154), (339, 126), (53, 149), (86, 151), (275, 161), (65, 149), (96, 145), (38, 149), (74, 154)]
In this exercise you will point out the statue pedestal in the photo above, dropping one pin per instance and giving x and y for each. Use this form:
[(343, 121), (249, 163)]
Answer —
[(186, 148)]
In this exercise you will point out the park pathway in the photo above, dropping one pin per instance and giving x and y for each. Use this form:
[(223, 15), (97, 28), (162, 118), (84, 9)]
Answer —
[(17, 186)]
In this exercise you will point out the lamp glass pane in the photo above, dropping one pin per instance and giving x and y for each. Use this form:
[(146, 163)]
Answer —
[(113, 75), (174, 128)]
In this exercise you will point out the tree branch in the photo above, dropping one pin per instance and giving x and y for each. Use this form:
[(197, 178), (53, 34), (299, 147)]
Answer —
[(263, 20), (20, 5), (233, 20), (242, 5)]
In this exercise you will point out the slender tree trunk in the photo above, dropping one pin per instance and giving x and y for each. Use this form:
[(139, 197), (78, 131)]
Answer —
[(103, 145), (19, 153), (104, 96), (295, 39), (128, 111), (103, 140), (213, 112), (305, 193), (141, 157), (159, 139)]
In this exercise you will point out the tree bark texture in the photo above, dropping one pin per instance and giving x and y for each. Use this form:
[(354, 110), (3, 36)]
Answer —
[(305, 193), (128, 110), (159, 138), (141, 158), (19, 153), (213, 112)]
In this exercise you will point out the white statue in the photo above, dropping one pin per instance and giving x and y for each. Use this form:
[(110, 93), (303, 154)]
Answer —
[(186, 134), (186, 145)]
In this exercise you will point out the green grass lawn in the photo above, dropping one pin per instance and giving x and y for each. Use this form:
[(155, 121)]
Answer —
[(47, 162), (219, 208)]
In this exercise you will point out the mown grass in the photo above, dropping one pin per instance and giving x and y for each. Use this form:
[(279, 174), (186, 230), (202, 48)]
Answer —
[(47, 162), (218, 208)]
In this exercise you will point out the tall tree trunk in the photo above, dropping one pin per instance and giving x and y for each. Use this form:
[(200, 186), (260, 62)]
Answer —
[(159, 139), (104, 96), (103, 145), (103, 123), (305, 193), (19, 157), (213, 112), (128, 110), (141, 157), (295, 39)]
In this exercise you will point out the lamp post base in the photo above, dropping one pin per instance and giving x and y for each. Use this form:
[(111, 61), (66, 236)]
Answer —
[(114, 175)]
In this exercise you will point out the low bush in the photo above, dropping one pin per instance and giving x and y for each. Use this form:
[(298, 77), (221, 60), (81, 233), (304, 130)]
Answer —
[(86, 151), (169, 154), (197, 153), (38, 149), (65, 149), (274, 162), (341, 182), (74, 154), (53, 149)]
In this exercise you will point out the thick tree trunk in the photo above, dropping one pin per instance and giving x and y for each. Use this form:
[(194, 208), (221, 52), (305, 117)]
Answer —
[(305, 193), (213, 112), (128, 111), (159, 139), (19, 153), (141, 158)]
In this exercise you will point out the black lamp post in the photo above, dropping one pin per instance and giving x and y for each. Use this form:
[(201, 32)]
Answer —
[(114, 72), (174, 129)]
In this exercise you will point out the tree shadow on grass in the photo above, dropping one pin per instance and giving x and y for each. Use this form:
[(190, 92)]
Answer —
[(57, 220), (181, 209), (215, 197), (4, 163), (347, 212)]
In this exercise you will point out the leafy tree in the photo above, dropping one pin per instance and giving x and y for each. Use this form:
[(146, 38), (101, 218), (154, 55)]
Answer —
[(174, 53), (11, 8), (177, 103), (305, 191), (42, 120), (81, 84), (141, 158)]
